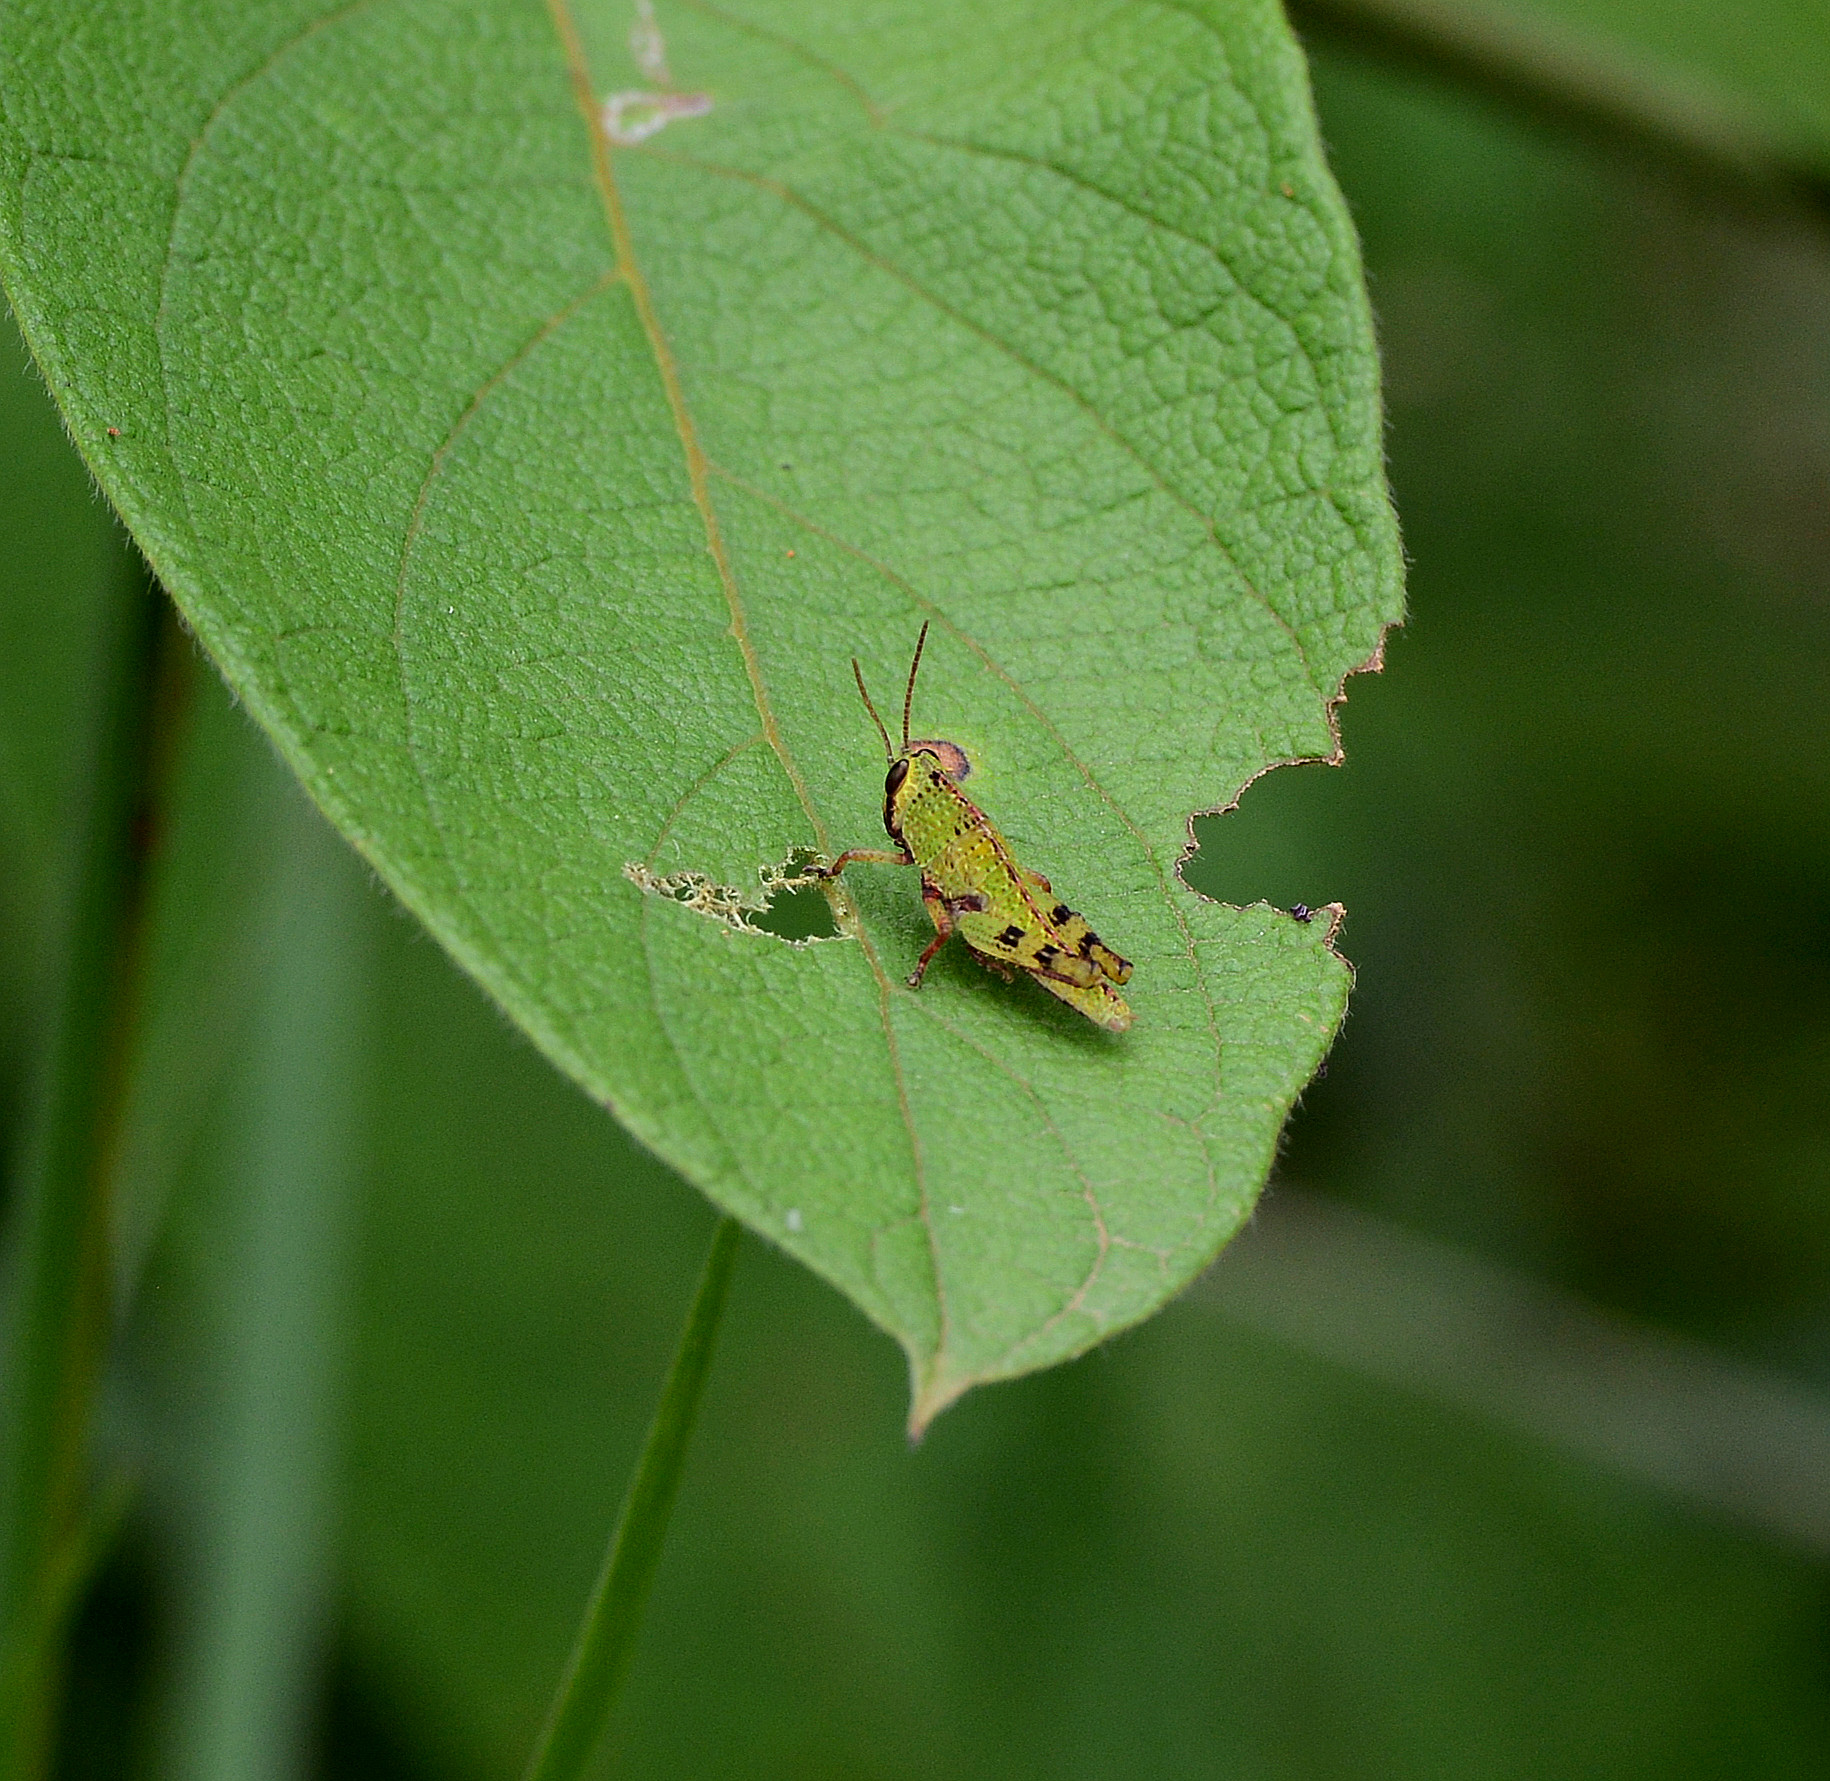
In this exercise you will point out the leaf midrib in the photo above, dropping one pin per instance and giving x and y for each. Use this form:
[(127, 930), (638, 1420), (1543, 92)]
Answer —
[(698, 475), (584, 93), (934, 1390)]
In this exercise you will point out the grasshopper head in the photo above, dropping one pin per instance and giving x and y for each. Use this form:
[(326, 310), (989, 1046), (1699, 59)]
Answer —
[(945, 760), (918, 764)]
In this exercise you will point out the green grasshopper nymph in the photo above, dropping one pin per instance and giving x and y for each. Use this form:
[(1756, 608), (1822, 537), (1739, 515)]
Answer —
[(1008, 916)]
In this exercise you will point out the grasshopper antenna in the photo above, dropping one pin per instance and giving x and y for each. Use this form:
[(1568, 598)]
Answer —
[(908, 697), (857, 674)]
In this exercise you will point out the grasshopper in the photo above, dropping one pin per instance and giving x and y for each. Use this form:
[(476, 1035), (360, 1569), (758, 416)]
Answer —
[(971, 885)]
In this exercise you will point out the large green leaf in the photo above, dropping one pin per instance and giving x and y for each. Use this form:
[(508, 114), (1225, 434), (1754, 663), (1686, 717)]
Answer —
[(533, 490)]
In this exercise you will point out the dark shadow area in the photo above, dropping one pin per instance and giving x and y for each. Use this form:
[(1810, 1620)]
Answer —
[(360, 1732), (113, 1653)]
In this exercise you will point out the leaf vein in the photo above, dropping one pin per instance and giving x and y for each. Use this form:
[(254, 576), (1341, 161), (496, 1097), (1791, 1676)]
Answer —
[(924, 604), (1210, 531), (923, 1208), (733, 1151), (697, 786), (800, 51), (180, 193), (1103, 1238), (618, 222)]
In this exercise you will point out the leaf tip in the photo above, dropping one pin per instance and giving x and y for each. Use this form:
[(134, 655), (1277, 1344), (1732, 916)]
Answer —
[(930, 1391)]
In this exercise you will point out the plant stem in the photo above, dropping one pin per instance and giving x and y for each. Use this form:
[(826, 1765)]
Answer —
[(606, 1637), (59, 1320)]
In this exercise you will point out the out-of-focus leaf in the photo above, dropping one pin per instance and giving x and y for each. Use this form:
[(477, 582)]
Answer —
[(1769, 58), (1746, 86), (533, 482), (207, 953), (58, 549), (245, 1126), (255, 1593)]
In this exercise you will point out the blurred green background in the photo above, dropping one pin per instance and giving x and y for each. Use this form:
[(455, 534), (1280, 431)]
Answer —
[(393, 1322)]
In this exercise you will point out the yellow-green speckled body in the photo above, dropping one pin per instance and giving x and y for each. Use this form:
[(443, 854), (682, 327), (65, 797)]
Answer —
[(972, 886)]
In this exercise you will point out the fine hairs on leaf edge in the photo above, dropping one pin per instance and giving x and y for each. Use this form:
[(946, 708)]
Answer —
[(1336, 756)]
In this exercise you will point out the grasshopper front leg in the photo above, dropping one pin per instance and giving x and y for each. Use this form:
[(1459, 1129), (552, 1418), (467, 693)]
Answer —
[(865, 856)]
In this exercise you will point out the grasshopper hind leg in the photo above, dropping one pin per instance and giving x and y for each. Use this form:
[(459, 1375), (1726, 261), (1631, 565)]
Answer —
[(941, 911)]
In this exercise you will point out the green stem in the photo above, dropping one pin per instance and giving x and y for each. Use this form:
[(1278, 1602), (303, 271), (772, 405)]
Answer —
[(59, 1311), (606, 1637)]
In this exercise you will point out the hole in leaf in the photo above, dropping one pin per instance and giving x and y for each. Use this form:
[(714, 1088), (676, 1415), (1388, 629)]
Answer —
[(804, 913), (791, 903), (1281, 846)]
